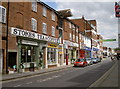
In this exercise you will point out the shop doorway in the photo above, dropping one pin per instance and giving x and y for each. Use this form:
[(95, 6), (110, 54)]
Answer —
[(12, 59)]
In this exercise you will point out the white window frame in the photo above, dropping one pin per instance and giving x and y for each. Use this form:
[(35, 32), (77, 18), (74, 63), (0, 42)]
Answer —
[(44, 28), (44, 11), (53, 16), (73, 27), (70, 36), (53, 31), (2, 16), (34, 24), (76, 38), (70, 25), (73, 37), (34, 6)]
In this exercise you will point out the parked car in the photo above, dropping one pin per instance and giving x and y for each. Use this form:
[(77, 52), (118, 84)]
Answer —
[(95, 60), (89, 61), (80, 62), (99, 60)]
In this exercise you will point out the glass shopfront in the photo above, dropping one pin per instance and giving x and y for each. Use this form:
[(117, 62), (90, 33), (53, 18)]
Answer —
[(51, 55), (28, 54)]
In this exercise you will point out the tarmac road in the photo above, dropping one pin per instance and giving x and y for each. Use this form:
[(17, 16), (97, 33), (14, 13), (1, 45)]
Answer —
[(70, 77)]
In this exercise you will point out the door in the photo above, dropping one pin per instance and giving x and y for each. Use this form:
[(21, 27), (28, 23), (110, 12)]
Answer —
[(12, 59)]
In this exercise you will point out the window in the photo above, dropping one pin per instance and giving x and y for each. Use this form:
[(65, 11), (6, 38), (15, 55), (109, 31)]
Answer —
[(53, 16), (51, 55), (2, 14), (73, 26), (34, 6), (53, 31), (70, 26), (44, 28), (76, 38), (34, 24), (44, 11), (77, 29), (70, 36), (73, 37)]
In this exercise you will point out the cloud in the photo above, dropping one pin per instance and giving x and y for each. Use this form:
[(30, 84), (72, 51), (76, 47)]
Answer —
[(102, 12)]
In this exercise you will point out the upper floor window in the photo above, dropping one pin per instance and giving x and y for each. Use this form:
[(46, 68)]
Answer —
[(70, 36), (53, 16), (76, 38), (77, 29), (44, 11), (44, 28), (73, 37), (34, 6), (73, 27), (34, 24), (70, 26), (2, 14), (53, 31)]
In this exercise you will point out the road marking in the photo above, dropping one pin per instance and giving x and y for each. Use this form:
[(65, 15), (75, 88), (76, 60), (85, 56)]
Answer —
[(29, 83), (17, 85)]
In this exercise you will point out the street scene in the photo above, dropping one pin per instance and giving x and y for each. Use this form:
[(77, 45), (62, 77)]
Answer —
[(59, 44)]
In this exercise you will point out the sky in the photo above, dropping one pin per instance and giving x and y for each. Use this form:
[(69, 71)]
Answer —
[(102, 12)]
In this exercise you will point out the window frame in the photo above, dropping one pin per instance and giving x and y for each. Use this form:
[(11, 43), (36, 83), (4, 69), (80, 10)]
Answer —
[(2, 17), (33, 24), (53, 31), (44, 11), (34, 6), (44, 30), (53, 16)]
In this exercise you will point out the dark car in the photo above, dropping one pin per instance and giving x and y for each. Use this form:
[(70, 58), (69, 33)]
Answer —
[(80, 62)]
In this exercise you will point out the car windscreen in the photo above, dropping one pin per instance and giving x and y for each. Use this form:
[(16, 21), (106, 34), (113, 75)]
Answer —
[(80, 60)]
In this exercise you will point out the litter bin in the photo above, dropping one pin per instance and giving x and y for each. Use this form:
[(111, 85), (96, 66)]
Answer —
[(32, 67)]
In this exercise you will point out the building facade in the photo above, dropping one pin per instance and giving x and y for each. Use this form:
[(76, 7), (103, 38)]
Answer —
[(36, 35)]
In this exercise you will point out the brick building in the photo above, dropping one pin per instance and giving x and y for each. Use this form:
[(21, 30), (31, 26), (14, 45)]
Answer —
[(42, 37)]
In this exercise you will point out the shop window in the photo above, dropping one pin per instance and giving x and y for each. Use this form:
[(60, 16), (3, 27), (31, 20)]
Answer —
[(34, 6), (2, 14), (28, 54), (51, 56), (44, 11)]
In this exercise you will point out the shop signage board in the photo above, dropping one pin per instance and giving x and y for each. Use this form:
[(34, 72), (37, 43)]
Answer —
[(60, 49), (69, 43), (52, 45), (33, 35)]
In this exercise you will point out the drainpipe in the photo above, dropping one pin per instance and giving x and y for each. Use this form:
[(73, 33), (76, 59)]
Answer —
[(7, 58)]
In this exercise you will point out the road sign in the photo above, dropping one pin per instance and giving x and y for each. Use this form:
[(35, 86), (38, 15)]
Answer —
[(108, 40)]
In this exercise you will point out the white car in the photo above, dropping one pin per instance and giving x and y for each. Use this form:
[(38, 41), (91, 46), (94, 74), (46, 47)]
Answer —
[(89, 61)]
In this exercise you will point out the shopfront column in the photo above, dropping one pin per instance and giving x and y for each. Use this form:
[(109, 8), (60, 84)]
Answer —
[(19, 56), (45, 56)]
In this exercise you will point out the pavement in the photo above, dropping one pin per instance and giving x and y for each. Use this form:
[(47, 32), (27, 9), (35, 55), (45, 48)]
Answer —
[(7, 77), (109, 79)]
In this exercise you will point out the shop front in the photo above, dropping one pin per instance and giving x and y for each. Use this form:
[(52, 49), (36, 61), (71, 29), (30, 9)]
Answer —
[(70, 51), (95, 52), (88, 52), (52, 55), (33, 49)]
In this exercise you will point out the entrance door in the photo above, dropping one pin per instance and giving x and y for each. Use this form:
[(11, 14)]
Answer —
[(12, 59)]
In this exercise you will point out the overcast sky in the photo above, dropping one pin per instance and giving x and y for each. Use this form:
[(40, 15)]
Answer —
[(102, 12)]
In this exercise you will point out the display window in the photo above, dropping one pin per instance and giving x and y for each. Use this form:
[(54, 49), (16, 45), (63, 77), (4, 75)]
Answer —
[(51, 55), (28, 54)]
